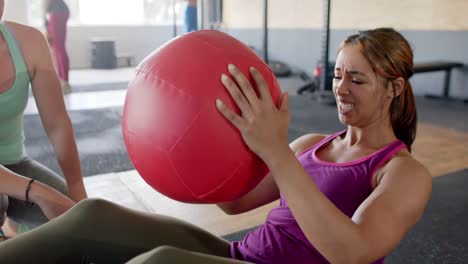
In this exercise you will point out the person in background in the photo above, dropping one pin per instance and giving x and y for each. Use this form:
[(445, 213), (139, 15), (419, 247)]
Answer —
[(57, 14), (30, 193), (191, 20)]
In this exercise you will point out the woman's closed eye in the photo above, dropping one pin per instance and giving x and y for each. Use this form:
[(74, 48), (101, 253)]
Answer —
[(358, 82)]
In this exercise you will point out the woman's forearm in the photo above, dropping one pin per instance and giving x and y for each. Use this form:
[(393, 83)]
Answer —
[(13, 184), (64, 144), (51, 202)]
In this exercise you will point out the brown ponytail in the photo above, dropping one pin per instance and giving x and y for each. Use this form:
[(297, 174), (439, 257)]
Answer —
[(404, 117)]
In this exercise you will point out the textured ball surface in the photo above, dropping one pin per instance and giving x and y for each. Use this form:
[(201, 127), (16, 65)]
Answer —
[(178, 141)]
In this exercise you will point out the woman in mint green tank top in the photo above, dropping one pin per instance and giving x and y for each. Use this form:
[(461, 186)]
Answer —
[(349, 197), (30, 193)]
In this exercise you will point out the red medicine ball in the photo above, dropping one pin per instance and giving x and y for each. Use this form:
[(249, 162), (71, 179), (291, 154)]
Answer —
[(176, 138)]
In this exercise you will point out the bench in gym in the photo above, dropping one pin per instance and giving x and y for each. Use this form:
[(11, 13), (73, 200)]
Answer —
[(445, 66)]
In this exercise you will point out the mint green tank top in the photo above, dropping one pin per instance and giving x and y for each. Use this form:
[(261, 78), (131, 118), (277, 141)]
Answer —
[(12, 105)]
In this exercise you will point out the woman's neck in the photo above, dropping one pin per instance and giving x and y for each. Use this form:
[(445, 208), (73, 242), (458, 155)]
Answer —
[(375, 135)]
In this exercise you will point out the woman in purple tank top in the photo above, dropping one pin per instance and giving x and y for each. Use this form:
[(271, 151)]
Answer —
[(349, 197)]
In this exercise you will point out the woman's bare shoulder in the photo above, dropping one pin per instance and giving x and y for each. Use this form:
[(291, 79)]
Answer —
[(404, 164), (21, 30), (31, 41), (29, 38)]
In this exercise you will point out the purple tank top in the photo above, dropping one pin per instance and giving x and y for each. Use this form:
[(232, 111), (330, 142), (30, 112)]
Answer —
[(347, 185)]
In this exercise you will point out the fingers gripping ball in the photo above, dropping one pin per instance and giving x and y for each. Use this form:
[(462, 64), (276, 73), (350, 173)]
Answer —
[(176, 138)]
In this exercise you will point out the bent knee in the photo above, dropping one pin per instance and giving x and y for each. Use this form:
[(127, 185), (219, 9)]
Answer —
[(166, 249), (89, 209), (92, 206)]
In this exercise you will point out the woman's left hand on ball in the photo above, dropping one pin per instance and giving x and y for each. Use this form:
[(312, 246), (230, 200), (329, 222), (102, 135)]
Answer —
[(263, 126)]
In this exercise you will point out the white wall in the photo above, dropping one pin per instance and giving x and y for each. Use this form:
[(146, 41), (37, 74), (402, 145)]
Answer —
[(16, 10), (346, 14), (298, 14), (139, 41)]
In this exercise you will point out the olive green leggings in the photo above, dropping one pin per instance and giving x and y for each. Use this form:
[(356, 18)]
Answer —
[(97, 231)]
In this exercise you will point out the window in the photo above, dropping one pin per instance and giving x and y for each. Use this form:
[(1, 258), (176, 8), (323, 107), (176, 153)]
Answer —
[(115, 12), (160, 12), (109, 12)]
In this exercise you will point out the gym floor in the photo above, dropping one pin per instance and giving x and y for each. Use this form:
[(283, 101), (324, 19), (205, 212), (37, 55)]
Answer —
[(441, 145)]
